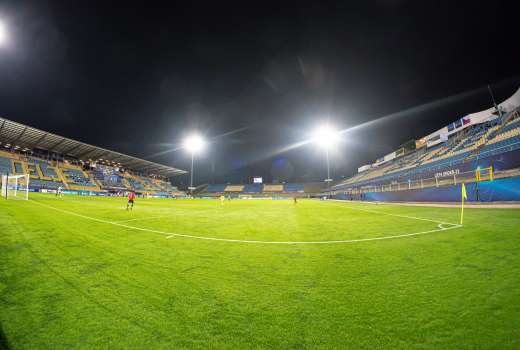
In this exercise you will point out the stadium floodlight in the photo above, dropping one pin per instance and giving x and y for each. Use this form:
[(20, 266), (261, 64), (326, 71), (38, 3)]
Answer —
[(326, 137), (194, 144), (3, 33)]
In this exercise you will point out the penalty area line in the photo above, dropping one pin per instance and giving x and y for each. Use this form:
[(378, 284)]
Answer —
[(440, 228)]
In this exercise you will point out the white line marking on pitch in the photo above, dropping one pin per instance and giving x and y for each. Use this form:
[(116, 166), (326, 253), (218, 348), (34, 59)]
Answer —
[(173, 234), (147, 218), (389, 214)]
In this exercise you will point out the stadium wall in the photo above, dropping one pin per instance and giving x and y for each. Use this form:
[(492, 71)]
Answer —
[(499, 190)]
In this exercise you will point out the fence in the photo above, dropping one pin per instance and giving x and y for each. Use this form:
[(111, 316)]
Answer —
[(447, 178)]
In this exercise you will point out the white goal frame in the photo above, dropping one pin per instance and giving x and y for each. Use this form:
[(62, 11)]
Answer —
[(15, 186)]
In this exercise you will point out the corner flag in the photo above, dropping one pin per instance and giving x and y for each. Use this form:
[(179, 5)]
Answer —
[(464, 197)]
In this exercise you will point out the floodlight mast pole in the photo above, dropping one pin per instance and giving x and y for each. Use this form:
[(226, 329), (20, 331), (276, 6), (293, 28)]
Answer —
[(328, 167), (191, 172)]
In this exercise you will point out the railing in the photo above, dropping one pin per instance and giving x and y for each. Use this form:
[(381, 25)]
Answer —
[(452, 177)]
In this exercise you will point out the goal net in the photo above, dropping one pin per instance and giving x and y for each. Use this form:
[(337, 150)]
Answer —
[(15, 187)]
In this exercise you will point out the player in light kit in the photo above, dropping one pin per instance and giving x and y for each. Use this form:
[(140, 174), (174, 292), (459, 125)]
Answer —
[(131, 198), (222, 198)]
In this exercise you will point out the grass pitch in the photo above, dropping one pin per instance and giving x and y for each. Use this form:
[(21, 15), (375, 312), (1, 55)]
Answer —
[(82, 272)]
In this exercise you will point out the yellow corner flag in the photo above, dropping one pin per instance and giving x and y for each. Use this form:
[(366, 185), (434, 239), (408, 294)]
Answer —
[(464, 197)]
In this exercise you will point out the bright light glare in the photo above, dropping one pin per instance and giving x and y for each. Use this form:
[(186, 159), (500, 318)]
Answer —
[(326, 136), (3, 33), (194, 143)]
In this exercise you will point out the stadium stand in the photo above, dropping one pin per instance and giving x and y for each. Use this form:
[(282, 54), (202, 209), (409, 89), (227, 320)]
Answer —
[(262, 190), (76, 166), (234, 188), (253, 188), (507, 139), (215, 188), (134, 184), (440, 158), (77, 179), (43, 184), (313, 187), (5, 166), (273, 188), (293, 188), (18, 167)]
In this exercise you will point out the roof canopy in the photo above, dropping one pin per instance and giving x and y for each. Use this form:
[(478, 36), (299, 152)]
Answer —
[(28, 137)]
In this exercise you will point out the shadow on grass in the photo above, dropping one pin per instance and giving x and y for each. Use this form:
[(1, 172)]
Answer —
[(4, 345)]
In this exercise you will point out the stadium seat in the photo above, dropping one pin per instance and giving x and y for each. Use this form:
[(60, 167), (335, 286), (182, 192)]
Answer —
[(273, 188), (5, 166), (216, 188), (293, 188), (234, 188), (253, 188), (484, 140)]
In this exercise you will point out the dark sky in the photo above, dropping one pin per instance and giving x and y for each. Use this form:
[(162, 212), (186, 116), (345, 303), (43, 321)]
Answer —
[(136, 79)]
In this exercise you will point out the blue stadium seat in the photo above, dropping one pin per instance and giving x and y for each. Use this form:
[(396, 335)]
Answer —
[(136, 185), (253, 188), (42, 184), (78, 177), (293, 188), (216, 188), (5, 166), (481, 140)]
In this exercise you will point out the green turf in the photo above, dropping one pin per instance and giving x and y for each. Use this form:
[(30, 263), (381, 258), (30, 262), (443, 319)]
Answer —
[(70, 282)]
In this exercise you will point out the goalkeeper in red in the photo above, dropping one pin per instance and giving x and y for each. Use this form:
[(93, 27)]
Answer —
[(131, 198)]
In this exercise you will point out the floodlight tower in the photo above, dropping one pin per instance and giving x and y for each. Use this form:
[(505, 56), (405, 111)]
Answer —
[(194, 144), (326, 137)]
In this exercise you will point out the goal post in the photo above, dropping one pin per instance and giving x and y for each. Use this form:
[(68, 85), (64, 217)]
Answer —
[(484, 174), (15, 186)]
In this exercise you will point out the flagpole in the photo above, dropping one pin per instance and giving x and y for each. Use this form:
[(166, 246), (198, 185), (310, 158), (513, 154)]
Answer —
[(462, 211), (463, 197)]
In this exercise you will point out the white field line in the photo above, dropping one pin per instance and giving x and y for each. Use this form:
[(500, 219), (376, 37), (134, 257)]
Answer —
[(396, 215), (173, 234), (147, 218)]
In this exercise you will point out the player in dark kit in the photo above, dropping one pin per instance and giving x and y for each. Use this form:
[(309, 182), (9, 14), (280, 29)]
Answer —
[(130, 204)]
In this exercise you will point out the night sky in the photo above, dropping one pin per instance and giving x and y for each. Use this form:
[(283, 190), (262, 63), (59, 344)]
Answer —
[(254, 79)]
